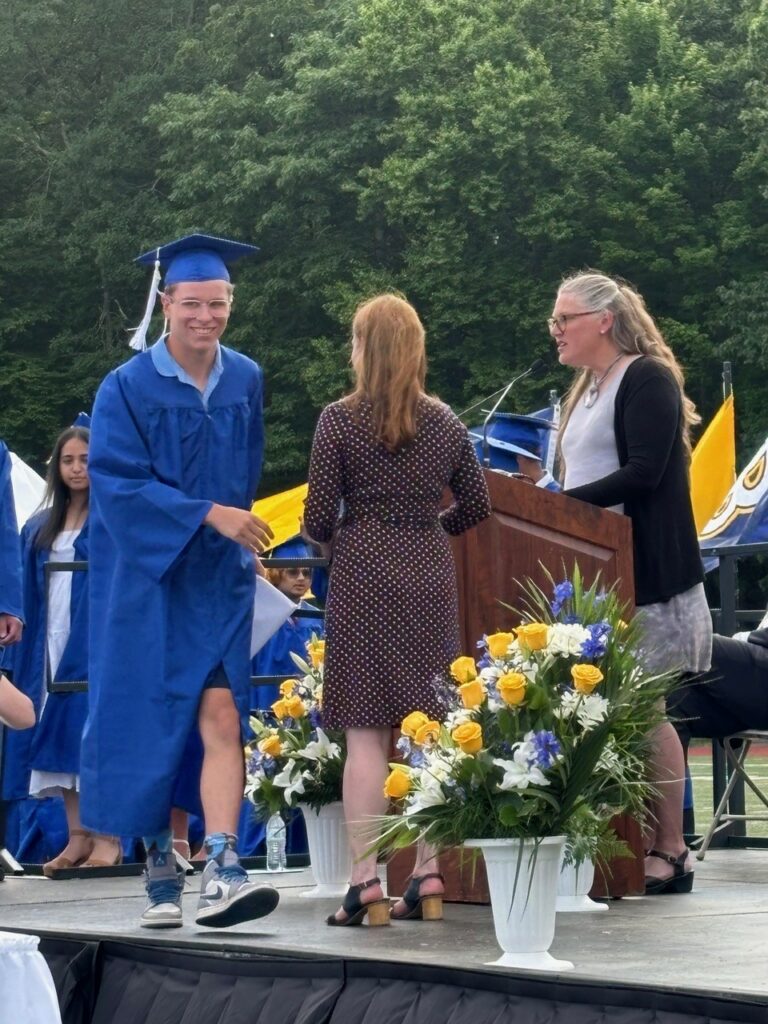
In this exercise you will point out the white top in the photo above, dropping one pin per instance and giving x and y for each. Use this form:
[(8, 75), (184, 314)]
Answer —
[(589, 441), (60, 599)]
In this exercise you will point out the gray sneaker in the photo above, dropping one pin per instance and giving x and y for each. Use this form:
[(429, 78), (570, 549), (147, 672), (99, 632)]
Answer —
[(226, 895), (164, 885)]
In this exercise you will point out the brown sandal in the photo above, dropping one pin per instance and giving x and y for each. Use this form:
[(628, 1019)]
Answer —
[(417, 907), (96, 862), (62, 863)]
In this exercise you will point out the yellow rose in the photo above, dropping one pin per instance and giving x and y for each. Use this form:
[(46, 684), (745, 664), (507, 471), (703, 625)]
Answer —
[(427, 733), (398, 783), (280, 708), (511, 687), (295, 706), (586, 677), (472, 693), (316, 650), (412, 723), (469, 737), (498, 644), (271, 746), (287, 688), (464, 670), (533, 635)]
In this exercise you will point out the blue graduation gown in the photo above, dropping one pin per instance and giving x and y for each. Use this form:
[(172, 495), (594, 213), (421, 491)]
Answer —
[(171, 599), (54, 743), (10, 566), (274, 658)]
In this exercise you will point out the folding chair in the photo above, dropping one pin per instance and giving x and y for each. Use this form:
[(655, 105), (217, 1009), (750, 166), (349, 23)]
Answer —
[(737, 747)]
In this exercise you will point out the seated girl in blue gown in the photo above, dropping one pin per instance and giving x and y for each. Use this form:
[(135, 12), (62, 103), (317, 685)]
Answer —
[(274, 659)]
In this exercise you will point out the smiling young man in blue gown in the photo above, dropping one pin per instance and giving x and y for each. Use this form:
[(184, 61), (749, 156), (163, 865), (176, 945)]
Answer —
[(175, 460)]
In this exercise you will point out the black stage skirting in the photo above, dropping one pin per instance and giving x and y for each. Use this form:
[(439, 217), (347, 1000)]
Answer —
[(126, 983)]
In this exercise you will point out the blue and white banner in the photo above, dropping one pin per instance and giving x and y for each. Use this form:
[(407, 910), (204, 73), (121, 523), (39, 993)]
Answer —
[(743, 516)]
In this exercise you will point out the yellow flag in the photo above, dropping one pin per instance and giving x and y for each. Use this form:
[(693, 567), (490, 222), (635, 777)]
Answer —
[(713, 466), (282, 512)]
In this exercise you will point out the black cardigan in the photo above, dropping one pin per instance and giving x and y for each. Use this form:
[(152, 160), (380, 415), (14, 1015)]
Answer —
[(652, 483)]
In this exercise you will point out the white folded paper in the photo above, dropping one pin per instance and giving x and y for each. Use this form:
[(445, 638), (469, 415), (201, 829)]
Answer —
[(270, 610)]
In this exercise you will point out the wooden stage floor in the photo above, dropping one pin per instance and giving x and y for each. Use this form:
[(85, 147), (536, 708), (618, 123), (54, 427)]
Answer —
[(713, 941)]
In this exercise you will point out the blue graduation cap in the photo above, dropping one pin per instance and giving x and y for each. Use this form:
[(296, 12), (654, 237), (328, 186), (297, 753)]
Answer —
[(294, 547), (82, 420), (192, 258), (510, 435)]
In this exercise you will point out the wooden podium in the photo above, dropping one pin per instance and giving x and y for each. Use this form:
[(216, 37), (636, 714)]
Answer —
[(532, 531)]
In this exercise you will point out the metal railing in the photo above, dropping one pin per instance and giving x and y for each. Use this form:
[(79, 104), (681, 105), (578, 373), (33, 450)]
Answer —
[(727, 620)]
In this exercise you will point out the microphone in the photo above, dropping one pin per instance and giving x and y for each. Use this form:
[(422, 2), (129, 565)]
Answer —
[(534, 370)]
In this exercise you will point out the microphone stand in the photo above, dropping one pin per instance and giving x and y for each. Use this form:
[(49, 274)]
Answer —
[(489, 417)]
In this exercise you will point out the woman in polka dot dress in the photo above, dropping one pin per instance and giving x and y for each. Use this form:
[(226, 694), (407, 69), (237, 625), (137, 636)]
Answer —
[(381, 460)]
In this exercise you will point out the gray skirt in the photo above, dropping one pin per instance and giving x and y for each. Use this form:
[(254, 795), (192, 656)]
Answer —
[(677, 634)]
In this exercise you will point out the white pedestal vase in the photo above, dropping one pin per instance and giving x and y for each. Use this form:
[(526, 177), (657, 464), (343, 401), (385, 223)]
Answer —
[(573, 889), (523, 891), (329, 856)]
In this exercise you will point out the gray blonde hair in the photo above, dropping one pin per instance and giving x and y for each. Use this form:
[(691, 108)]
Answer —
[(634, 332)]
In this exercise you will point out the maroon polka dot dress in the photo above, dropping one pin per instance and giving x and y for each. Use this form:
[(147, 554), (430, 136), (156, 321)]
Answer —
[(392, 611)]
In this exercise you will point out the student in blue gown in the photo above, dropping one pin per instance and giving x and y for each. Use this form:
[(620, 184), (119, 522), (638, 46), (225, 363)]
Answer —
[(45, 761), (11, 615), (175, 462), (274, 659)]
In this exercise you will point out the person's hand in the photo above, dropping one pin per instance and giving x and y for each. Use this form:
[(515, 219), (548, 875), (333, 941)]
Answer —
[(240, 526), (11, 629)]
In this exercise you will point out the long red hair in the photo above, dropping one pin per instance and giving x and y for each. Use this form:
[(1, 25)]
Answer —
[(390, 365)]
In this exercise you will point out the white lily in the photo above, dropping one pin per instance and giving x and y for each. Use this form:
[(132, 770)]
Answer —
[(518, 773), (291, 779), (321, 749)]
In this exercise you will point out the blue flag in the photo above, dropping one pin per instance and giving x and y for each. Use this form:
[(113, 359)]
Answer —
[(743, 516)]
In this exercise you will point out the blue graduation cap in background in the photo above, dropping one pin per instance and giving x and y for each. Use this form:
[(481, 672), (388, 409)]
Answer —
[(192, 258), (82, 420), (510, 435), (295, 547)]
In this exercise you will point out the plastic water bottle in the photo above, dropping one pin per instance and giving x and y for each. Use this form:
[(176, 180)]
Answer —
[(276, 843)]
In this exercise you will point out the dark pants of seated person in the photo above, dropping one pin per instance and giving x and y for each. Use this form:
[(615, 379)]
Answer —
[(733, 696)]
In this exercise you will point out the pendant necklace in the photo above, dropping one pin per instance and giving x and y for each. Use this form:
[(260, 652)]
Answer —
[(593, 391)]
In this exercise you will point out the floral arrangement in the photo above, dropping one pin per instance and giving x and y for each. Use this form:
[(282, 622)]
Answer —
[(292, 759), (546, 732)]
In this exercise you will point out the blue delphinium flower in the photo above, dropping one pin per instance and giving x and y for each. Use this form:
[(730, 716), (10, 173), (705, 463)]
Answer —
[(253, 765), (416, 757), (484, 662), (546, 748), (572, 619), (563, 593), (595, 646), (404, 745), (315, 717)]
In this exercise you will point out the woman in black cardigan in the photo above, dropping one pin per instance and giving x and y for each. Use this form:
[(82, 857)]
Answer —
[(625, 446)]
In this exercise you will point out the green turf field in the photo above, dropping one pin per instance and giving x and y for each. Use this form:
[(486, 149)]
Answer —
[(700, 766)]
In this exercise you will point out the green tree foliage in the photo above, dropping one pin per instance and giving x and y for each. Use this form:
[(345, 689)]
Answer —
[(466, 153)]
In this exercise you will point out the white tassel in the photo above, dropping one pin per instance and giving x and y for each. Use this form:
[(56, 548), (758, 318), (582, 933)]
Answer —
[(139, 340)]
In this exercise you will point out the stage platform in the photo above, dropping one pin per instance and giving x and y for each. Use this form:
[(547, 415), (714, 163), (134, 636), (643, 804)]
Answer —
[(711, 944)]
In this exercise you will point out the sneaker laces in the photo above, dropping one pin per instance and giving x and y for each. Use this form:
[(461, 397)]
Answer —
[(232, 873), (163, 891)]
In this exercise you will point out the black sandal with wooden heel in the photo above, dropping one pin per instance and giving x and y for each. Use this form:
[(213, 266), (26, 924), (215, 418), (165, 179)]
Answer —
[(356, 911), (680, 881), (420, 908)]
